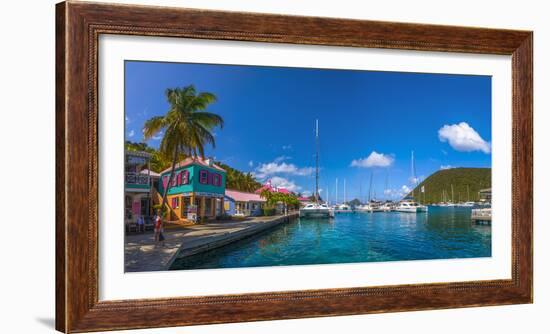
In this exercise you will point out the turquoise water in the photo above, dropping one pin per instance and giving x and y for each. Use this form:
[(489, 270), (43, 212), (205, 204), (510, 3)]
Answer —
[(442, 233)]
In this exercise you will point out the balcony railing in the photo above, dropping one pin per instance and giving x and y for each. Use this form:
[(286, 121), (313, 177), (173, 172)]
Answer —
[(137, 178)]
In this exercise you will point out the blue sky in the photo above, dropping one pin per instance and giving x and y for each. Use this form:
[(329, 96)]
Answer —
[(369, 122)]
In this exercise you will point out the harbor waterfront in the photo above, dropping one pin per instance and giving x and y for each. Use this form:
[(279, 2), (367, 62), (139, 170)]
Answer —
[(235, 166), (442, 233)]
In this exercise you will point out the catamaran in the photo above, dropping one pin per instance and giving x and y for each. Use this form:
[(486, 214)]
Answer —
[(316, 209), (410, 206)]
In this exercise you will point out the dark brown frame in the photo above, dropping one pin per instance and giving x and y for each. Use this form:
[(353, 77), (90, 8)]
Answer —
[(78, 26)]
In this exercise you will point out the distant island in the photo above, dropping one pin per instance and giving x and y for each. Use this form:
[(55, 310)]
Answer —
[(454, 184)]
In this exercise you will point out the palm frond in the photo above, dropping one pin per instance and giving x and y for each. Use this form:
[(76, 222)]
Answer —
[(153, 126)]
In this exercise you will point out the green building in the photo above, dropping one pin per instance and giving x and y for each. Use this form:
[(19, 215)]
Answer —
[(197, 189)]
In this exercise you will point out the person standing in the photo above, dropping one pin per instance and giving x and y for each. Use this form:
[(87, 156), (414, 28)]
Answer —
[(141, 224)]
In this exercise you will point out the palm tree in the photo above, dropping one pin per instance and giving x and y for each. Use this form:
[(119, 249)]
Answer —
[(187, 126)]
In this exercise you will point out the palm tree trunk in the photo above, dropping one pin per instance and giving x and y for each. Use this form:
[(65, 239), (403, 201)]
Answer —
[(169, 183)]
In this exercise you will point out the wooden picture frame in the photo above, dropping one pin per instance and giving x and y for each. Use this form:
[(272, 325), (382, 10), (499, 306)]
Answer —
[(78, 26)]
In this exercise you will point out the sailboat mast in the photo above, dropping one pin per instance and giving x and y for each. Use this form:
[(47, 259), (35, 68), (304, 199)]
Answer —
[(386, 186), (413, 173), (317, 161), (370, 187), (336, 196), (452, 194), (345, 197)]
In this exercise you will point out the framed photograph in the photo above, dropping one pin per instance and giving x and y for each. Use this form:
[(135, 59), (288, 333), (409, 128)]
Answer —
[(222, 167)]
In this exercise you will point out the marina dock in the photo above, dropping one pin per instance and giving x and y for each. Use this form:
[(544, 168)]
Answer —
[(481, 216), (142, 255)]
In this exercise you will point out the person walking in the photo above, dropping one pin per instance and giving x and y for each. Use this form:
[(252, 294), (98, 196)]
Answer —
[(159, 236)]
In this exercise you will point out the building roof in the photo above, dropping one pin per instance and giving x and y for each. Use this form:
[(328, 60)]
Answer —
[(304, 199), (194, 161), (267, 186), (241, 196)]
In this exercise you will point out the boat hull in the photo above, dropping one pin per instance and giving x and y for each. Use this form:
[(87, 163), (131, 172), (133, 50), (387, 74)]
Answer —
[(316, 213), (412, 210)]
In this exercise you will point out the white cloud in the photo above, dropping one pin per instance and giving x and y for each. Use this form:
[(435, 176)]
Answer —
[(375, 159), (158, 136), (281, 182), (127, 119), (281, 158), (273, 168), (287, 147), (462, 137), (445, 167), (397, 193), (250, 163), (131, 133)]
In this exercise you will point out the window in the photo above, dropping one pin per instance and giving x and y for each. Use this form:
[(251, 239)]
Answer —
[(185, 177), (215, 179), (175, 202), (203, 176)]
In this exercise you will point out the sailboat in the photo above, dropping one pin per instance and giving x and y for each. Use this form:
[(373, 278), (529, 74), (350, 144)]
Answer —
[(316, 209), (408, 204), (372, 204), (344, 207)]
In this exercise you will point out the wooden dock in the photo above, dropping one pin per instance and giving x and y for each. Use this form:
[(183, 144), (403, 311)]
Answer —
[(481, 216), (142, 255)]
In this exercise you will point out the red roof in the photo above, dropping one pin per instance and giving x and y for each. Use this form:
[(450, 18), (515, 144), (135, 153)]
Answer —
[(194, 161), (304, 199), (241, 196), (267, 186)]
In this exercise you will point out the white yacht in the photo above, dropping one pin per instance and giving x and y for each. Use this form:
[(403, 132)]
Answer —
[(410, 206), (370, 207), (387, 207), (316, 210), (342, 208)]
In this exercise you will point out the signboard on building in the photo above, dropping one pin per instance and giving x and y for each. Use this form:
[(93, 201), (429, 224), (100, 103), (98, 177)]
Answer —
[(192, 212)]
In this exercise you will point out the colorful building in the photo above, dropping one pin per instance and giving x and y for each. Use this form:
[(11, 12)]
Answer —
[(197, 189), (239, 203), (137, 185), (279, 207)]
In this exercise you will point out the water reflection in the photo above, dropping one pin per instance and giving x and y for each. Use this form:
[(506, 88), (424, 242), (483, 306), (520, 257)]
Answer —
[(355, 237)]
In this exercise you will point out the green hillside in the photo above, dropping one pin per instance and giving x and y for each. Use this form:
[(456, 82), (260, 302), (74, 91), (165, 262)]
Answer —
[(463, 181)]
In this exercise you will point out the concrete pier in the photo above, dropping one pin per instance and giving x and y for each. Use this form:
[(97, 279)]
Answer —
[(142, 255)]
